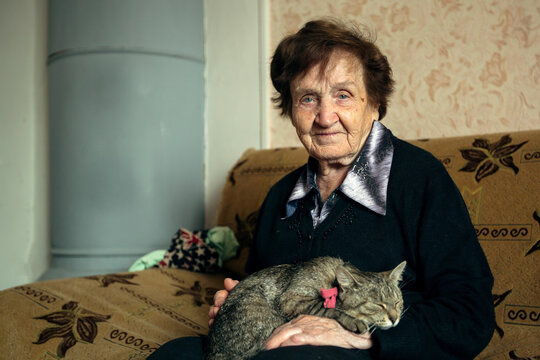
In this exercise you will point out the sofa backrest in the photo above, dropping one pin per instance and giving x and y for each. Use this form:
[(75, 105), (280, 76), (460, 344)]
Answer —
[(499, 178)]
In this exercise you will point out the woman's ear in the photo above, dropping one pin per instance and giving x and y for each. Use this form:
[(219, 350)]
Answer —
[(375, 112)]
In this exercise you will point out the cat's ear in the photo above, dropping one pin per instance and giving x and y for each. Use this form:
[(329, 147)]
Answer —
[(396, 274), (344, 277)]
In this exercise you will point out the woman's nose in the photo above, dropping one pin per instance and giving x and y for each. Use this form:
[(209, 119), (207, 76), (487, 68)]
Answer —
[(327, 113)]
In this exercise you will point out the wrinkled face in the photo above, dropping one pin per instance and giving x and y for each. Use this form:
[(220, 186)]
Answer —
[(331, 112)]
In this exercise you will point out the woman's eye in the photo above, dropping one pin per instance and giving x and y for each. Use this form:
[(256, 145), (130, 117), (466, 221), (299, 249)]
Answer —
[(308, 99), (343, 96)]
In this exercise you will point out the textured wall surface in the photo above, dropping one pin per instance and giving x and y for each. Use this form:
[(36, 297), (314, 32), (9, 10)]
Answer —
[(461, 67), (24, 203)]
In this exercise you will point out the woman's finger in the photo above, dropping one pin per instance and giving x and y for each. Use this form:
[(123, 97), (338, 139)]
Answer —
[(314, 330), (230, 284), (220, 297), (281, 335)]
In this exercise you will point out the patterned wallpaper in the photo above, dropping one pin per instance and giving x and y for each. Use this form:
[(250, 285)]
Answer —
[(461, 67)]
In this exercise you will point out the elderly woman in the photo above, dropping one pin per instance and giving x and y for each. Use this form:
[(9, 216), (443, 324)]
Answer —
[(371, 199)]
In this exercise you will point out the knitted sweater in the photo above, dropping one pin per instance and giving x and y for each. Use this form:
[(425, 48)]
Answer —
[(447, 282)]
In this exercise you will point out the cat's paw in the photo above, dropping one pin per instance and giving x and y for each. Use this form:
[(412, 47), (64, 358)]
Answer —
[(354, 325), (361, 326)]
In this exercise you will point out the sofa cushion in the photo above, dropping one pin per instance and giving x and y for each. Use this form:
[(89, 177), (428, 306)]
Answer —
[(498, 176), (112, 316)]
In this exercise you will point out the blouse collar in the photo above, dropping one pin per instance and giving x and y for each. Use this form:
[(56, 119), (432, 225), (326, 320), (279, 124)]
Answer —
[(366, 181)]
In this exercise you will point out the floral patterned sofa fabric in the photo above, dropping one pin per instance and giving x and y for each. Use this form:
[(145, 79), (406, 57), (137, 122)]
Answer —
[(114, 316), (128, 315), (499, 178)]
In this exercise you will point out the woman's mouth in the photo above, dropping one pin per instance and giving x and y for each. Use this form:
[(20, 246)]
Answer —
[(327, 137)]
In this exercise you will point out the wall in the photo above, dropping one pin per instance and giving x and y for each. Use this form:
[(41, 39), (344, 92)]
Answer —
[(235, 83), (462, 67), (460, 88), (126, 92), (234, 114), (24, 241)]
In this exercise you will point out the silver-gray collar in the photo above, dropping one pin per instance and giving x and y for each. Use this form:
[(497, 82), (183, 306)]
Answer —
[(366, 181)]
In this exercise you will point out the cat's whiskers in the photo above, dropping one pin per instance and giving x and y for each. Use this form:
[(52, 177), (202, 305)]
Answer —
[(403, 312), (371, 329), (367, 301)]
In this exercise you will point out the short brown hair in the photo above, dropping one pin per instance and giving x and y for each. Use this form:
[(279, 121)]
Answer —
[(313, 44)]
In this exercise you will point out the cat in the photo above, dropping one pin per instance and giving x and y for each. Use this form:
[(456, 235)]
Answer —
[(275, 295)]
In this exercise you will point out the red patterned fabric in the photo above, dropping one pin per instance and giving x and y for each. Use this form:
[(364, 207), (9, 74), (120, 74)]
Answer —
[(189, 251)]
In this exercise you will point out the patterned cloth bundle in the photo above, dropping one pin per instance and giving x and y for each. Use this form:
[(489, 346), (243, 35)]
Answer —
[(200, 250)]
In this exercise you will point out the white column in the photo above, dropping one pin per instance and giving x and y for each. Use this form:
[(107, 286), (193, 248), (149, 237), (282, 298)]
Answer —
[(236, 76), (127, 127), (24, 231)]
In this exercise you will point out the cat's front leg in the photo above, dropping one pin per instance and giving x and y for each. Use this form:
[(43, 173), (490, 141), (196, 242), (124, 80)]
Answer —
[(350, 323), (293, 305)]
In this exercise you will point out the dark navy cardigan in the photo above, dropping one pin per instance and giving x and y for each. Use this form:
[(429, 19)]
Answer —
[(447, 283)]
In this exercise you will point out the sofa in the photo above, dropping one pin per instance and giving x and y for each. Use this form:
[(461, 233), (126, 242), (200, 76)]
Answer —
[(128, 315)]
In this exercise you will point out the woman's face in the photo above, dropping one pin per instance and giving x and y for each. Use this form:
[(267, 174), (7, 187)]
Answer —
[(331, 112)]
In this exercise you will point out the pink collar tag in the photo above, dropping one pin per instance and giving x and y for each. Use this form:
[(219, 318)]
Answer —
[(329, 296)]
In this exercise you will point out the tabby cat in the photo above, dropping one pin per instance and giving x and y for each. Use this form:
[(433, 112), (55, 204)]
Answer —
[(278, 294)]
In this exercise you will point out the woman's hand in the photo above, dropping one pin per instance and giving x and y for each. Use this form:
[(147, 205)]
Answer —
[(219, 298), (314, 330)]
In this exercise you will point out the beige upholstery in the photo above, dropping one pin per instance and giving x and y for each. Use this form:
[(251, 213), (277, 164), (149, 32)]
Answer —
[(128, 315)]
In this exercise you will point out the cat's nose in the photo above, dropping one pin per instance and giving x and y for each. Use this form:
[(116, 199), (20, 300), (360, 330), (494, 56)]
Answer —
[(393, 317)]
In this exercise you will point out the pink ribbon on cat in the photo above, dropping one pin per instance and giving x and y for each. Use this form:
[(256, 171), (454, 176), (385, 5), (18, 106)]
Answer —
[(329, 296)]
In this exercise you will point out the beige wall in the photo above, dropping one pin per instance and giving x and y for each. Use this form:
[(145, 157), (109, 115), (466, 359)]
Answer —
[(462, 67), (235, 101), (24, 234)]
